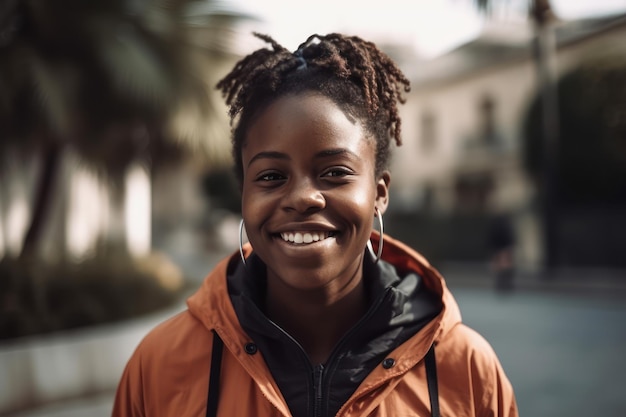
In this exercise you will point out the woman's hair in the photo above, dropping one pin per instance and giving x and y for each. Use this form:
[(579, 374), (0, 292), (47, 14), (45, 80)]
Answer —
[(363, 81)]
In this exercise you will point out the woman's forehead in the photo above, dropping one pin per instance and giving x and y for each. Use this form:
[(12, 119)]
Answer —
[(304, 123)]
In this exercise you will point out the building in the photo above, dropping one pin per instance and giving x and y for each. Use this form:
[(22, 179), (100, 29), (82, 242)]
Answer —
[(462, 128)]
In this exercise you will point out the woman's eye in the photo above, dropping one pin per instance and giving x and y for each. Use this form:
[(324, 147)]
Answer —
[(270, 176), (337, 172)]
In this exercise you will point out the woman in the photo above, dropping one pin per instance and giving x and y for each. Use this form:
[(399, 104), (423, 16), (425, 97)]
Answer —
[(310, 318)]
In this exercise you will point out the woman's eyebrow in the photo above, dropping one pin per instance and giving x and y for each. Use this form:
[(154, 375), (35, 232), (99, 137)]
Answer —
[(269, 155), (337, 151)]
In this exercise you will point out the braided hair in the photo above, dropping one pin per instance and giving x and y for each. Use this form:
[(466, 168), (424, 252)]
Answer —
[(353, 73)]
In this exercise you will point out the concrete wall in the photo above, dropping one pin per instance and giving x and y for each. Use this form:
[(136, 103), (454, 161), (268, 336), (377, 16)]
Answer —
[(63, 366)]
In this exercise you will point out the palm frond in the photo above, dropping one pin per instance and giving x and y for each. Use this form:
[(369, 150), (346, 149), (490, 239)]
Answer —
[(133, 65), (84, 67)]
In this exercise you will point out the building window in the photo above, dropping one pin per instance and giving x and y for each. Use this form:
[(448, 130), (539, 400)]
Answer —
[(487, 116)]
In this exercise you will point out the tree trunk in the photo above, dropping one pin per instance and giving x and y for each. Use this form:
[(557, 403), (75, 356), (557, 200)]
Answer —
[(43, 197), (545, 56)]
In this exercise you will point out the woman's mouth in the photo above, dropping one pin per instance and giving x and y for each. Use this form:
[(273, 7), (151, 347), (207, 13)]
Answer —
[(304, 238)]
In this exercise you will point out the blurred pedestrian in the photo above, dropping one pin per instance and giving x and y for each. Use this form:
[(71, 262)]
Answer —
[(318, 315), (502, 252)]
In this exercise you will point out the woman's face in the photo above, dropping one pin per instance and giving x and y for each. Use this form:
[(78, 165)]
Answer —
[(310, 192)]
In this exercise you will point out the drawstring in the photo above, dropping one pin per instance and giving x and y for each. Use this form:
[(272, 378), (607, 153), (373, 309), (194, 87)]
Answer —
[(431, 380), (214, 376), (216, 359)]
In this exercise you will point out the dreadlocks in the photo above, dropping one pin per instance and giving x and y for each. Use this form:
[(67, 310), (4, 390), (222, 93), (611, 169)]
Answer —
[(352, 72)]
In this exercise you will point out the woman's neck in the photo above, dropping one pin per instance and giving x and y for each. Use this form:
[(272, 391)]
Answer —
[(317, 319)]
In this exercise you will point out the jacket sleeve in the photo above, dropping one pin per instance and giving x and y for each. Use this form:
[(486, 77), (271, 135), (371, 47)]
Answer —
[(129, 395), (498, 397), (471, 374), (493, 392)]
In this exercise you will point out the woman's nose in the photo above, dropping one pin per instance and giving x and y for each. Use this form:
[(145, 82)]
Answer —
[(305, 195)]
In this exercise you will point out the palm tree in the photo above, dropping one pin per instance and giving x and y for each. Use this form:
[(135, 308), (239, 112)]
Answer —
[(89, 75), (543, 18)]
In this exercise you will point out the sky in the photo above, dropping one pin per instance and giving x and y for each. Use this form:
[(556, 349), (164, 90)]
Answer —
[(431, 27)]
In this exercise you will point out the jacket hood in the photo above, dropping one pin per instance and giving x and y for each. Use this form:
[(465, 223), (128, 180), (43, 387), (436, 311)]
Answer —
[(405, 258)]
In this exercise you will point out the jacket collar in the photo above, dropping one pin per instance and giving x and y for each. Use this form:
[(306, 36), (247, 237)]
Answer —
[(212, 306)]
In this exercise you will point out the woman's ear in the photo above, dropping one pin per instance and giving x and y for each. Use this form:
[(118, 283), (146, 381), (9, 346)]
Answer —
[(382, 191)]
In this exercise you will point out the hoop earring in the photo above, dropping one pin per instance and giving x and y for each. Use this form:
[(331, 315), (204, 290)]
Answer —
[(243, 258), (376, 256)]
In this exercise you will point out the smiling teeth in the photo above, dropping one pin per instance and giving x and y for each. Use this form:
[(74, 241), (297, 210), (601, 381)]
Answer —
[(308, 237)]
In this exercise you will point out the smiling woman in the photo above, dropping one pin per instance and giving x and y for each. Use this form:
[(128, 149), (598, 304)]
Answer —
[(307, 320)]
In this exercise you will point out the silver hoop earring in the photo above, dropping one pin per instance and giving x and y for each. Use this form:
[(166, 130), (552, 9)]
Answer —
[(243, 258), (376, 256)]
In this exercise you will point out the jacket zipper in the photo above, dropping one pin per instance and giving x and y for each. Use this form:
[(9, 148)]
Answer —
[(317, 371), (318, 378)]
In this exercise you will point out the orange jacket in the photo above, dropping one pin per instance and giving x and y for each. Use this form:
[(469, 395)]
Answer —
[(168, 375)]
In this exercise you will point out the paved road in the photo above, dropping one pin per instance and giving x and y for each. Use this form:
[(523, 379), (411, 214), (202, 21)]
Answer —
[(565, 355)]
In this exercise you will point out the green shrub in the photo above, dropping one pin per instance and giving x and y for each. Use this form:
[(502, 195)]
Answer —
[(41, 297)]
